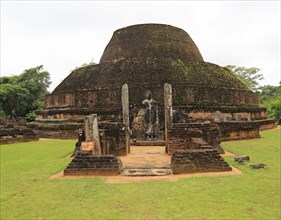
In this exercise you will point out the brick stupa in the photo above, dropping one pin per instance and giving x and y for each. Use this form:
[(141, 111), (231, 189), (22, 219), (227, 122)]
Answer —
[(145, 57)]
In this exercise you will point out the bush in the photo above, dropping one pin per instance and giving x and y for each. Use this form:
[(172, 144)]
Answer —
[(275, 109), (30, 116)]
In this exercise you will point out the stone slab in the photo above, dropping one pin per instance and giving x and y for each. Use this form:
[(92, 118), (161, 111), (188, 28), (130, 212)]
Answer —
[(146, 172)]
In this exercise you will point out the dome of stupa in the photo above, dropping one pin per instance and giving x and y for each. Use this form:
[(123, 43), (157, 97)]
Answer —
[(146, 57)]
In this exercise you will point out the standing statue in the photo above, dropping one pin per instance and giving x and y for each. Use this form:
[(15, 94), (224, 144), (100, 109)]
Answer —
[(150, 117)]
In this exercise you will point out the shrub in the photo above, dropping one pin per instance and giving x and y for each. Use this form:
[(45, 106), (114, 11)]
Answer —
[(30, 116)]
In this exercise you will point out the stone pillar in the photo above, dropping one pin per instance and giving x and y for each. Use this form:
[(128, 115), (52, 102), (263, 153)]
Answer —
[(168, 112), (217, 117), (125, 107), (92, 132)]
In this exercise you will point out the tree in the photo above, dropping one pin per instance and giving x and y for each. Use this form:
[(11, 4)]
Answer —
[(249, 76), (24, 93), (267, 93), (275, 109), (14, 99), (270, 97), (36, 80)]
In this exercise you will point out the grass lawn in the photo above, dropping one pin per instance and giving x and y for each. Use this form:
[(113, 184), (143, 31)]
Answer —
[(28, 193)]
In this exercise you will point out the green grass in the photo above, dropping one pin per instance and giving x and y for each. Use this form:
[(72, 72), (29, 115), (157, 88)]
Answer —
[(28, 193)]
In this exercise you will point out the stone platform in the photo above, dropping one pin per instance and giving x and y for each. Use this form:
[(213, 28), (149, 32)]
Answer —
[(146, 156), (146, 161)]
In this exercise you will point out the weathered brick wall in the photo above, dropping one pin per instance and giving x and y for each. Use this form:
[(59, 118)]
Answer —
[(244, 129), (105, 102), (16, 134), (267, 124), (56, 128), (231, 113), (84, 99), (198, 160), (208, 96), (184, 136), (238, 130), (85, 164), (112, 137), (65, 122), (113, 114), (182, 95)]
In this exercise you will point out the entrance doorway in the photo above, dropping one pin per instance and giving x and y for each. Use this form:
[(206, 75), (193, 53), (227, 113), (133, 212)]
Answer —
[(148, 124)]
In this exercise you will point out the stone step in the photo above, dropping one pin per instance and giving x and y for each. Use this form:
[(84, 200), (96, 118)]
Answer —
[(146, 171), (148, 143)]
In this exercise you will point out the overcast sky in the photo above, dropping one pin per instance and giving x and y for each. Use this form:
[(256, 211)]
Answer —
[(64, 34)]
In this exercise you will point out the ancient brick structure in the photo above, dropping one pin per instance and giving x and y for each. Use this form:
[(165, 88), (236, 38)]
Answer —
[(86, 164), (146, 57), (96, 149), (239, 130), (112, 138), (198, 160), (188, 136), (16, 134), (195, 147), (234, 122)]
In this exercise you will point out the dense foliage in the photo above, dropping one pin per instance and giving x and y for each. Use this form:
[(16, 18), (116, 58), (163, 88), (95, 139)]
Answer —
[(275, 109), (270, 97), (22, 94)]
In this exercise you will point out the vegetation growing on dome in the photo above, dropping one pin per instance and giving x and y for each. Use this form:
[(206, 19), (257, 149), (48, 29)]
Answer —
[(84, 65), (151, 71)]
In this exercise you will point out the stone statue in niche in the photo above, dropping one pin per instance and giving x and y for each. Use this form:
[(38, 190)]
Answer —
[(151, 119)]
